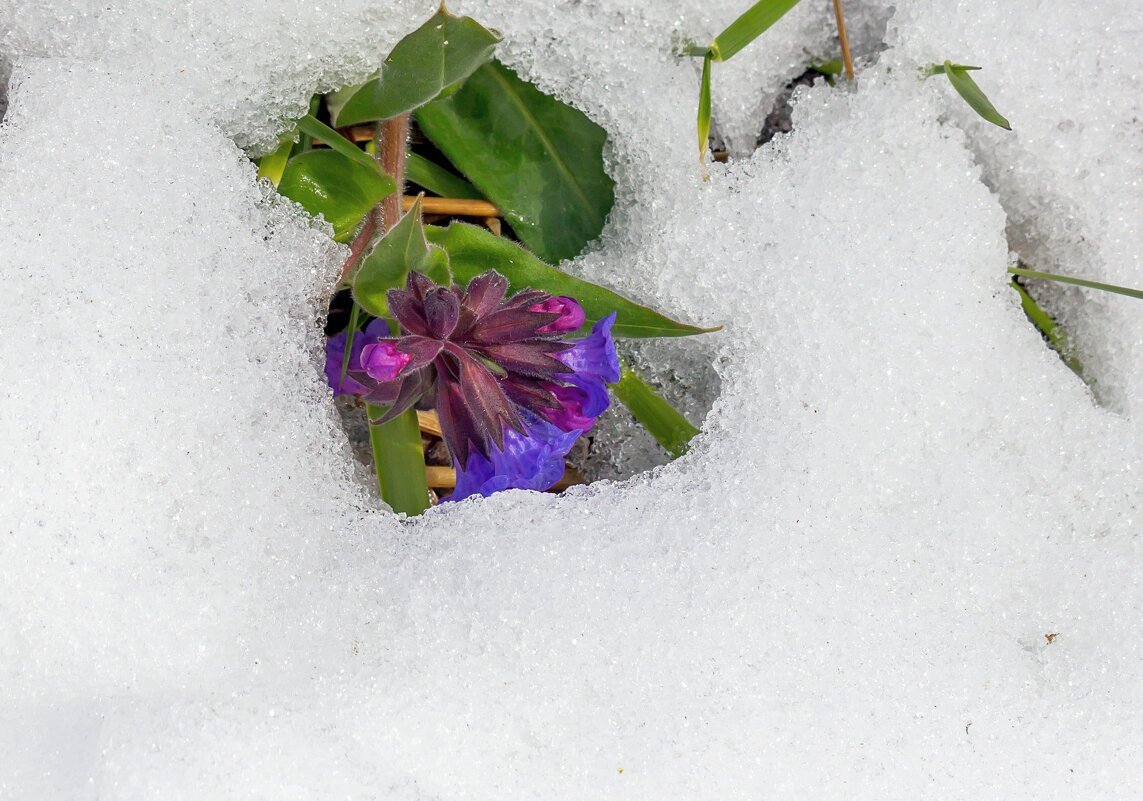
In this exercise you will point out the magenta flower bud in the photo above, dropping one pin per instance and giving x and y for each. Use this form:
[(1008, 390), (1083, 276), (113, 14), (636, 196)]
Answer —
[(383, 362), (570, 313)]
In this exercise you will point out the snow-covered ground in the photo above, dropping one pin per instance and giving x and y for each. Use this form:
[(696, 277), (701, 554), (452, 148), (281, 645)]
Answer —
[(843, 591)]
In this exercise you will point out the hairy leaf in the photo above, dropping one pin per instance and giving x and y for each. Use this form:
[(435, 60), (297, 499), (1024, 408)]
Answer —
[(386, 267), (340, 189), (423, 65), (473, 251), (539, 160)]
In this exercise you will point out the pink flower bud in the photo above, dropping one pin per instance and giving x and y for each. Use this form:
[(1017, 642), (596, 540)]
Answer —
[(571, 314), (382, 361)]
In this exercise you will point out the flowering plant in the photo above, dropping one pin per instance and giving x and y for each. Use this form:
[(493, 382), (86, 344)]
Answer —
[(511, 358), (512, 391)]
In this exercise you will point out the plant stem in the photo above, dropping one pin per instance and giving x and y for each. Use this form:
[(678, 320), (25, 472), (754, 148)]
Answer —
[(392, 139), (398, 457), (843, 37), (399, 461)]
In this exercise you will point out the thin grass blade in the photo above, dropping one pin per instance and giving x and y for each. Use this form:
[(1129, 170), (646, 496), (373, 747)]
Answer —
[(752, 24), (704, 108), (1067, 279)]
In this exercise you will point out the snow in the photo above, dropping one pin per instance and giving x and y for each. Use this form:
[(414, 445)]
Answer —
[(844, 590)]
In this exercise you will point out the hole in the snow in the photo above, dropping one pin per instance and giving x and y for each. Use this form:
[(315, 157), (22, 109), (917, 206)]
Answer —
[(618, 446), (5, 76)]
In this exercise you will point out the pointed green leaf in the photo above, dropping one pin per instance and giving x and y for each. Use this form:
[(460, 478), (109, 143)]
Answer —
[(1065, 279), (399, 461), (429, 61), (669, 428), (273, 164), (327, 183), (966, 87), (539, 160), (335, 141), (752, 24), (435, 178), (704, 108), (1052, 332), (939, 69), (473, 251), (403, 249)]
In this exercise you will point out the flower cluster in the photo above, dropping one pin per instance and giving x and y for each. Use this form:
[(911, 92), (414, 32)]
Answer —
[(512, 391)]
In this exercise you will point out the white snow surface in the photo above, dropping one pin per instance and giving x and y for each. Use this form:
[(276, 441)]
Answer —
[(843, 591)]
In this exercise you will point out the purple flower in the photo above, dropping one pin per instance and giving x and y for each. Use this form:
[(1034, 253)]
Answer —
[(335, 355), (382, 361), (570, 313), (536, 460), (533, 460), (475, 356)]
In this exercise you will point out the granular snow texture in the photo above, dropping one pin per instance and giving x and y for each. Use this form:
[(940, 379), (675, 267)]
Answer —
[(902, 561)]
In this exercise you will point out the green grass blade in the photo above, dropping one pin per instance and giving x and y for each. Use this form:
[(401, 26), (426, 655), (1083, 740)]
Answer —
[(399, 461), (669, 428), (435, 178), (939, 69), (1049, 328), (1066, 279), (744, 30), (966, 87), (704, 109)]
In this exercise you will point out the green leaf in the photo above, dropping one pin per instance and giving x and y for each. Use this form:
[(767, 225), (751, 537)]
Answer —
[(939, 69), (273, 164), (538, 160), (831, 68), (399, 461), (1048, 327), (435, 178), (704, 108), (343, 191), (429, 61), (749, 27), (403, 249), (669, 428), (335, 141), (473, 251), (966, 87), (1065, 279)]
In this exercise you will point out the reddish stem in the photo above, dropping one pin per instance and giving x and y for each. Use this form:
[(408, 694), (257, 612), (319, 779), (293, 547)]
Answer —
[(392, 140)]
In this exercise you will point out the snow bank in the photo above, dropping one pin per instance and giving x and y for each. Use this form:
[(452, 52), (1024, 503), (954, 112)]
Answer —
[(844, 590)]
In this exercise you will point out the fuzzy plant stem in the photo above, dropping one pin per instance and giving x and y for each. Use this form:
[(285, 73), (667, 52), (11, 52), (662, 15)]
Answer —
[(397, 454)]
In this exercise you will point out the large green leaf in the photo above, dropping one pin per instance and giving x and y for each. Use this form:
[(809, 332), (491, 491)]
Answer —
[(342, 190), (403, 249), (538, 160), (423, 65), (748, 27), (473, 250)]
